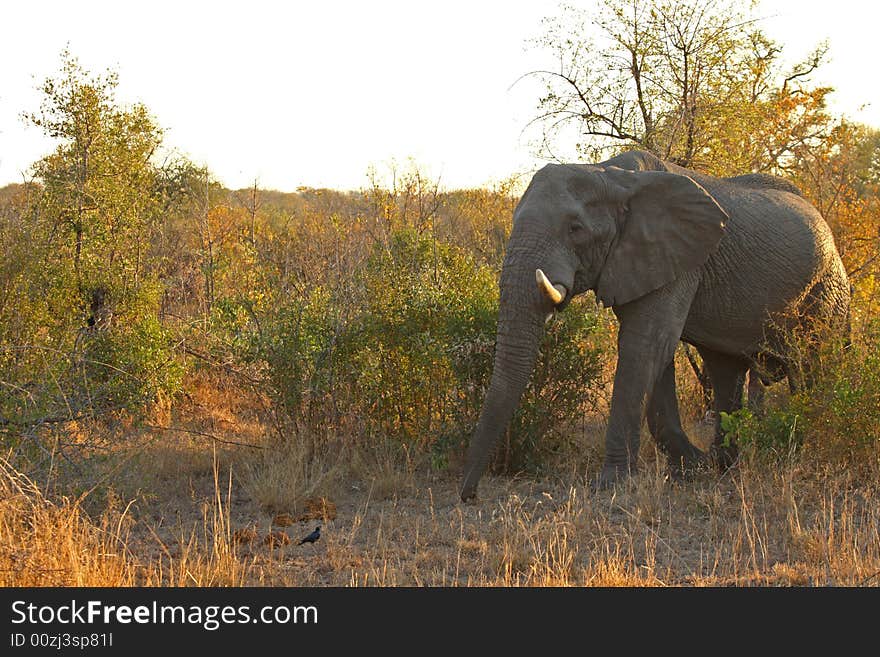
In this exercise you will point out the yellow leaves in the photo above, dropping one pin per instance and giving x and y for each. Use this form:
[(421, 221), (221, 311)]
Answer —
[(839, 177)]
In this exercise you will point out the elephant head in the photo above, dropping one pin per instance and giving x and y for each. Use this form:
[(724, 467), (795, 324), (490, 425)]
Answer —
[(576, 228)]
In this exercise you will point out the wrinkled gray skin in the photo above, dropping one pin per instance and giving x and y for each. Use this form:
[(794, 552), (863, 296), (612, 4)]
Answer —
[(678, 256)]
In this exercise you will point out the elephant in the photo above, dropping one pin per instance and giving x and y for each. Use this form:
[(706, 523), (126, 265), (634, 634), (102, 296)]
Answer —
[(678, 255)]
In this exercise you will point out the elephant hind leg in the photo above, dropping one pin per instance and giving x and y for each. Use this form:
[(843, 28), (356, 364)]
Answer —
[(728, 375), (664, 421)]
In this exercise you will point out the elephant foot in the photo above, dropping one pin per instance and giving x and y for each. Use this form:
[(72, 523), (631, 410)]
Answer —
[(609, 477), (685, 467), (469, 495), (724, 457)]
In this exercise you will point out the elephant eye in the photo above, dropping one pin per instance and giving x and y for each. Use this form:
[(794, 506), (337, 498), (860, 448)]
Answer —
[(575, 228)]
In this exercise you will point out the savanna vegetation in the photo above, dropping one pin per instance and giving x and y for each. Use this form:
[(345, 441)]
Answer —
[(190, 375)]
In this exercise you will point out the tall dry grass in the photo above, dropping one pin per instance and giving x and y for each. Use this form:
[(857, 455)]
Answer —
[(46, 542)]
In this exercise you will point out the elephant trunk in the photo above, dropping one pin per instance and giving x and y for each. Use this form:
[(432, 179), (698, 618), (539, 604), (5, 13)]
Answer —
[(522, 309)]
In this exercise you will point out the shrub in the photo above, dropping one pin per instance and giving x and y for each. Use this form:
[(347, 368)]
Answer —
[(417, 356), (777, 431), (403, 353), (296, 344), (130, 363), (837, 418), (566, 380), (69, 371)]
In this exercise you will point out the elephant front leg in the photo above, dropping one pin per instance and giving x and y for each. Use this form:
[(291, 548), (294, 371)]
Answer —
[(642, 357), (650, 329), (664, 421)]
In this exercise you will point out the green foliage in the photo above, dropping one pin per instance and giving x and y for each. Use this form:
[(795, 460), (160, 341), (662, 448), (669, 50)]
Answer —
[(566, 380), (419, 352), (402, 352), (838, 417), (777, 431), (129, 364), (410, 356), (123, 366), (80, 333), (296, 344), (844, 406), (98, 183)]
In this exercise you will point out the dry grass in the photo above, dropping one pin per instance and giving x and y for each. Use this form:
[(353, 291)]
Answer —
[(284, 476), (792, 526), (184, 512), (56, 543), (44, 543)]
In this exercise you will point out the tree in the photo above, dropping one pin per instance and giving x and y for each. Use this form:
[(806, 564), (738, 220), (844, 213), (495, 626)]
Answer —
[(693, 82), (842, 178), (83, 291), (99, 181)]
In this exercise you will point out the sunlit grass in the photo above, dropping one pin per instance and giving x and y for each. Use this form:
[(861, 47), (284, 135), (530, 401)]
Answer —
[(797, 525)]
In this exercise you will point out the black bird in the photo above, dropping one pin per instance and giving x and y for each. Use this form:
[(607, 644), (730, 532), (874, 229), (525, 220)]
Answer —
[(311, 538)]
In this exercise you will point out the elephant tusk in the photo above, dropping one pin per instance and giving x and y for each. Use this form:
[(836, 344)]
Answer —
[(556, 293)]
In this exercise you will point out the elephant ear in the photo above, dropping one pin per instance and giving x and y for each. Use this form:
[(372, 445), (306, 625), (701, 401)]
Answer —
[(669, 226)]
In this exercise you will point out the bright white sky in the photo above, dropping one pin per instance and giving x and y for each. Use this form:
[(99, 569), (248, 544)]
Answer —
[(314, 93)]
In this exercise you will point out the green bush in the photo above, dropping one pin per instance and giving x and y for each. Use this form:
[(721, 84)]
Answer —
[(838, 417), (296, 344), (66, 370), (566, 378), (416, 357), (404, 351), (128, 364), (777, 431)]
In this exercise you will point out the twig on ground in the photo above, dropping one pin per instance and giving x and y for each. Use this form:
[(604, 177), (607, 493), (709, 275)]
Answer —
[(204, 434)]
